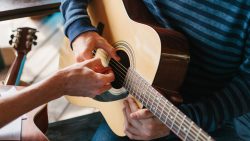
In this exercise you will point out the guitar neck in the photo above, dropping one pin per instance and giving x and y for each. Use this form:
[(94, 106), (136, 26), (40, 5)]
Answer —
[(163, 109), (22, 42), (13, 76)]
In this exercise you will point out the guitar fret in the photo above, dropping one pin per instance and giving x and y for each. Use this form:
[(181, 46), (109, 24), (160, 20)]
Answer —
[(169, 112), (173, 122), (143, 92), (158, 98), (197, 135), (162, 110), (183, 119), (148, 98), (140, 91), (141, 85), (171, 116), (155, 102), (127, 80), (137, 92), (158, 108), (187, 133), (183, 128), (137, 87), (153, 108), (132, 86)]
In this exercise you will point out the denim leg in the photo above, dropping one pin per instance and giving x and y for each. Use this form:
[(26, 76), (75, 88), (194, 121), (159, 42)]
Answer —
[(242, 126), (104, 133)]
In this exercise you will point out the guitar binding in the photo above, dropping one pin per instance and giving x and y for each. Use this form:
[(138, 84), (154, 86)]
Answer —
[(118, 91)]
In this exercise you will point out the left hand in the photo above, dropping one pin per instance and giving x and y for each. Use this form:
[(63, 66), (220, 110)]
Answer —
[(140, 124)]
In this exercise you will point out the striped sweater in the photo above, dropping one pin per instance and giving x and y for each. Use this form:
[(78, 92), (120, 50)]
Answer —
[(217, 86)]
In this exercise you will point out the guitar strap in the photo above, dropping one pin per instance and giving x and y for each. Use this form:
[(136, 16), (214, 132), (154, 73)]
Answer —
[(20, 71)]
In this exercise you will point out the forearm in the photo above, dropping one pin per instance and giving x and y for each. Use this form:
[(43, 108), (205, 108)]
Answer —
[(76, 18), (26, 100)]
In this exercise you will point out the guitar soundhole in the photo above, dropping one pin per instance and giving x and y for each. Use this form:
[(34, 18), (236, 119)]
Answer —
[(119, 69)]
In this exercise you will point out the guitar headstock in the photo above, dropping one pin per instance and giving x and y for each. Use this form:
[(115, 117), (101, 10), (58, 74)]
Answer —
[(23, 39)]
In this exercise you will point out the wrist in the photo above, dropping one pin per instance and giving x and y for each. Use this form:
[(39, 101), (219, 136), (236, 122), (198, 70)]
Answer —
[(51, 87), (82, 38)]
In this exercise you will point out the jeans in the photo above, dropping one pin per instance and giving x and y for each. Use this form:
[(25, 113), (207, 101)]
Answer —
[(227, 133)]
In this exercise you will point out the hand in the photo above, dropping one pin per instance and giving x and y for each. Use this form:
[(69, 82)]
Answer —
[(85, 43), (87, 78), (140, 124)]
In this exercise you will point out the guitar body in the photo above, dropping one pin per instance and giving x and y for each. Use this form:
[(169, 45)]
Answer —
[(140, 42), (139, 47), (36, 125)]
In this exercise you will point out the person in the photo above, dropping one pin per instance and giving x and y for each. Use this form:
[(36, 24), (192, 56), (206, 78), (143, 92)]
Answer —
[(88, 79), (216, 90)]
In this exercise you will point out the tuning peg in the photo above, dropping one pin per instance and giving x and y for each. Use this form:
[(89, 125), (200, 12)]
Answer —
[(32, 31), (19, 30), (12, 36), (10, 42), (34, 43), (35, 37)]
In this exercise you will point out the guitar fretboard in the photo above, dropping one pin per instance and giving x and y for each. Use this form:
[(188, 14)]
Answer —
[(170, 115)]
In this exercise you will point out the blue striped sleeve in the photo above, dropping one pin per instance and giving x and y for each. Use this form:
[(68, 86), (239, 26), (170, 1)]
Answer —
[(227, 103), (76, 19)]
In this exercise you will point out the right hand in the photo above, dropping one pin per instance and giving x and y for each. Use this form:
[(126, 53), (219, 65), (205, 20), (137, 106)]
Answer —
[(85, 43), (88, 79)]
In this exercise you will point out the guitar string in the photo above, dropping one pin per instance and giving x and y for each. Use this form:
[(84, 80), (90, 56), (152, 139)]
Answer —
[(179, 116), (176, 116), (124, 69)]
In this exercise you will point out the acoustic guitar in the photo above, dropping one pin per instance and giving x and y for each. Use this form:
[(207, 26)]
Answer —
[(139, 47), (36, 124)]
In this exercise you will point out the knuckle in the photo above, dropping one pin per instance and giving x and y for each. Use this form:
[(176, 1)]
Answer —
[(147, 134), (87, 72), (113, 50), (100, 82), (147, 112), (99, 91), (130, 136), (79, 58), (150, 127), (127, 127), (152, 121), (91, 41)]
